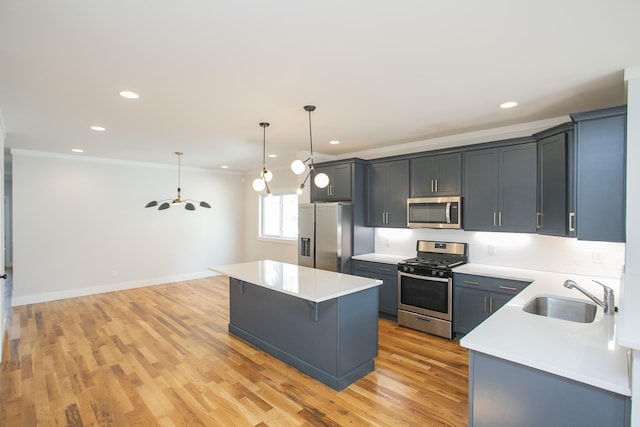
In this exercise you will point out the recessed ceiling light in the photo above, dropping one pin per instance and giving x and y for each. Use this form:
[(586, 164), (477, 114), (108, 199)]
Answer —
[(224, 167), (509, 104), (273, 156), (129, 94), (97, 128), (334, 142), (77, 150)]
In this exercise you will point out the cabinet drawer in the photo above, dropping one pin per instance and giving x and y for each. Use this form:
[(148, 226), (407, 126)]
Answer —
[(491, 284), (361, 267)]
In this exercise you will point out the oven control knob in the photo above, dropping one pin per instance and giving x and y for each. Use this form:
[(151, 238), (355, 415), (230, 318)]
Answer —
[(441, 274), (434, 273)]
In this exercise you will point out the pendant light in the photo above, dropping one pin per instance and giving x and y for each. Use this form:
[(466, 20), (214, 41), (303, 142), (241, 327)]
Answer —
[(188, 204), (261, 183), (321, 180)]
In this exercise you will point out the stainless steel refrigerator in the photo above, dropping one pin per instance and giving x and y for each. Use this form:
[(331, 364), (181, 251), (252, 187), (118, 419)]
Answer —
[(325, 236)]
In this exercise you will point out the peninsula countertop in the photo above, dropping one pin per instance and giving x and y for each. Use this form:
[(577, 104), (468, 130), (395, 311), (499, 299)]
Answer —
[(585, 352), (310, 284)]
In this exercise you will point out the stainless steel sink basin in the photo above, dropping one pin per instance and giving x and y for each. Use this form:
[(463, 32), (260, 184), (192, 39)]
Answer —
[(571, 309)]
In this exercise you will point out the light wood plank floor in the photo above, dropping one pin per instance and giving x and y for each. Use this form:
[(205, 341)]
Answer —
[(161, 355)]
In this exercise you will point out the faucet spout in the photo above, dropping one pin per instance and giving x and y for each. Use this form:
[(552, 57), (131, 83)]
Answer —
[(607, 303)]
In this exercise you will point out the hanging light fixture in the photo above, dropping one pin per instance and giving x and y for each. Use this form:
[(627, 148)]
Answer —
[(261, 183), (321, 180), (166, 204)]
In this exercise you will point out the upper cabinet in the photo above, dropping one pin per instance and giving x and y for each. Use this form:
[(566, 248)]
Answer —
[(439, 175), (340, 183), (601, 138), (500, 189), (387, 192), (556, 181)]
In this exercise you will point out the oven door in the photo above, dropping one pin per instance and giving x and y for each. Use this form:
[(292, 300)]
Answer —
[(425, 295)]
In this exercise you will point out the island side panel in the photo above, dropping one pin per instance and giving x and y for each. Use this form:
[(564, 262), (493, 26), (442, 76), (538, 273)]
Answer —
[(286, 327), (358, 338), (506, 394)]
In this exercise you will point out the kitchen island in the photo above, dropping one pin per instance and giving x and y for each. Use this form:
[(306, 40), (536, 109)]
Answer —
[(324, 324)]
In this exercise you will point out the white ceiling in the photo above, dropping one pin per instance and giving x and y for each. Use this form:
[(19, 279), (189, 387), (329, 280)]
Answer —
[(379, 72)]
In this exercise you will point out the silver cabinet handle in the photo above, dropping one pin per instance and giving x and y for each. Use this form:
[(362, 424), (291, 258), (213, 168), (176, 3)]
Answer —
[(538, 215), (485, 304), (508, 288), (500, 219), (385, 269), (572, 219), (490, 305), (469, 282), (436, 181), (494, 219), (432, 186)]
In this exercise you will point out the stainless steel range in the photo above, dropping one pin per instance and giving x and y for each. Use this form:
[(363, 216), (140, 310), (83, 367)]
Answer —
[(425, 286)]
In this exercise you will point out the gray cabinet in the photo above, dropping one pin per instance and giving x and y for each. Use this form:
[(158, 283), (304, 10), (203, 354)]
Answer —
[(439, 175), (475, 298), (340, 183), (387, 192), (500, 189), (506, 394), (556, 181), (601, 138), (388, 292)]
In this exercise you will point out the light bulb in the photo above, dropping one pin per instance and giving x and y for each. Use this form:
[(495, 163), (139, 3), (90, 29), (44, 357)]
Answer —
[(321, 180), (268, 176), (299, 191), (297, 167), (258, 184)]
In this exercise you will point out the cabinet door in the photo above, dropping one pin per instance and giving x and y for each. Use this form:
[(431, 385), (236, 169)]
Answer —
[(553, 185), (340, 182), (422, 175), (517, 188), (601, 171), (498, 300), (376, 194), (388, 294), (480, 200), (470, 308), (397, 192), (448, 174)]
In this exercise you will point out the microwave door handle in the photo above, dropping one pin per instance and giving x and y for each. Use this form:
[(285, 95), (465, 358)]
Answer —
[(447, 213)]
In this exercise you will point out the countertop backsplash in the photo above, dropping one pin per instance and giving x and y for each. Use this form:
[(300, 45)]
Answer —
[(517, 250)]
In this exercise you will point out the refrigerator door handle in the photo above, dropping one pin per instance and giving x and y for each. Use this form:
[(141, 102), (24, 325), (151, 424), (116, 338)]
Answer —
[(305, 246)]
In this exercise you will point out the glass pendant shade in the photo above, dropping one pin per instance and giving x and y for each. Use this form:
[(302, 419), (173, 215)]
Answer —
[(268, 176), (298, 167), (321, 180), (258, 184)]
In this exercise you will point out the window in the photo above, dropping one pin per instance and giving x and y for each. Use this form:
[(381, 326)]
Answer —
[(279, 216)]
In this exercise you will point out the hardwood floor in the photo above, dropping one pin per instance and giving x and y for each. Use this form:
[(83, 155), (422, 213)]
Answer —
[(161, 355)]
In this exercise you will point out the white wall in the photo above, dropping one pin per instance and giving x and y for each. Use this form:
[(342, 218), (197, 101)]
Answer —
[(80, 225), (284, 181)]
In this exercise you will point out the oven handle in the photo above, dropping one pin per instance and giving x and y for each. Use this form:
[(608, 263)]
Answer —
[(416, 276)]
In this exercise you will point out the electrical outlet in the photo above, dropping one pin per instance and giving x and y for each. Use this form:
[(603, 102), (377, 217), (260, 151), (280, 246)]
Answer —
[(491, 249), (596, 257)]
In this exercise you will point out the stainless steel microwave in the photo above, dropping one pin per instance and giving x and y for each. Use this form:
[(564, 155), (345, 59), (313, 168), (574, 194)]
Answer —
[(434, 212)]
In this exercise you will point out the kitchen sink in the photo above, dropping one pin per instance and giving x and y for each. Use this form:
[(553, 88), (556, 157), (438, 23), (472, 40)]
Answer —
[(571, 309)]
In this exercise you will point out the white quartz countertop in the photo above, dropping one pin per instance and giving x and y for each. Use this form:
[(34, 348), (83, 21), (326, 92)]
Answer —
[(307, 283), (628, 330), (383, 258), (585, 352)]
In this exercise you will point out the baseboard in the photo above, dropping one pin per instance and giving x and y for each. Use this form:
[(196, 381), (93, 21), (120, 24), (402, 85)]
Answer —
[(74, 293)]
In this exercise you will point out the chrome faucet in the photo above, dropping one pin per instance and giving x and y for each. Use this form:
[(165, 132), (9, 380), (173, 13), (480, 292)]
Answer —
[(607, 303)]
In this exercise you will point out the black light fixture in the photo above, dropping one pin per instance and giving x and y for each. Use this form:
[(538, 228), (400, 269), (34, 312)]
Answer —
[(262, 182), (298, 167), (188, 204)]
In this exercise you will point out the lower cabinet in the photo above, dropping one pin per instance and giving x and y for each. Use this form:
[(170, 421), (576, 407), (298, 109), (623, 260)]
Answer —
[(506, 394), (388, 292), (477, 297)]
